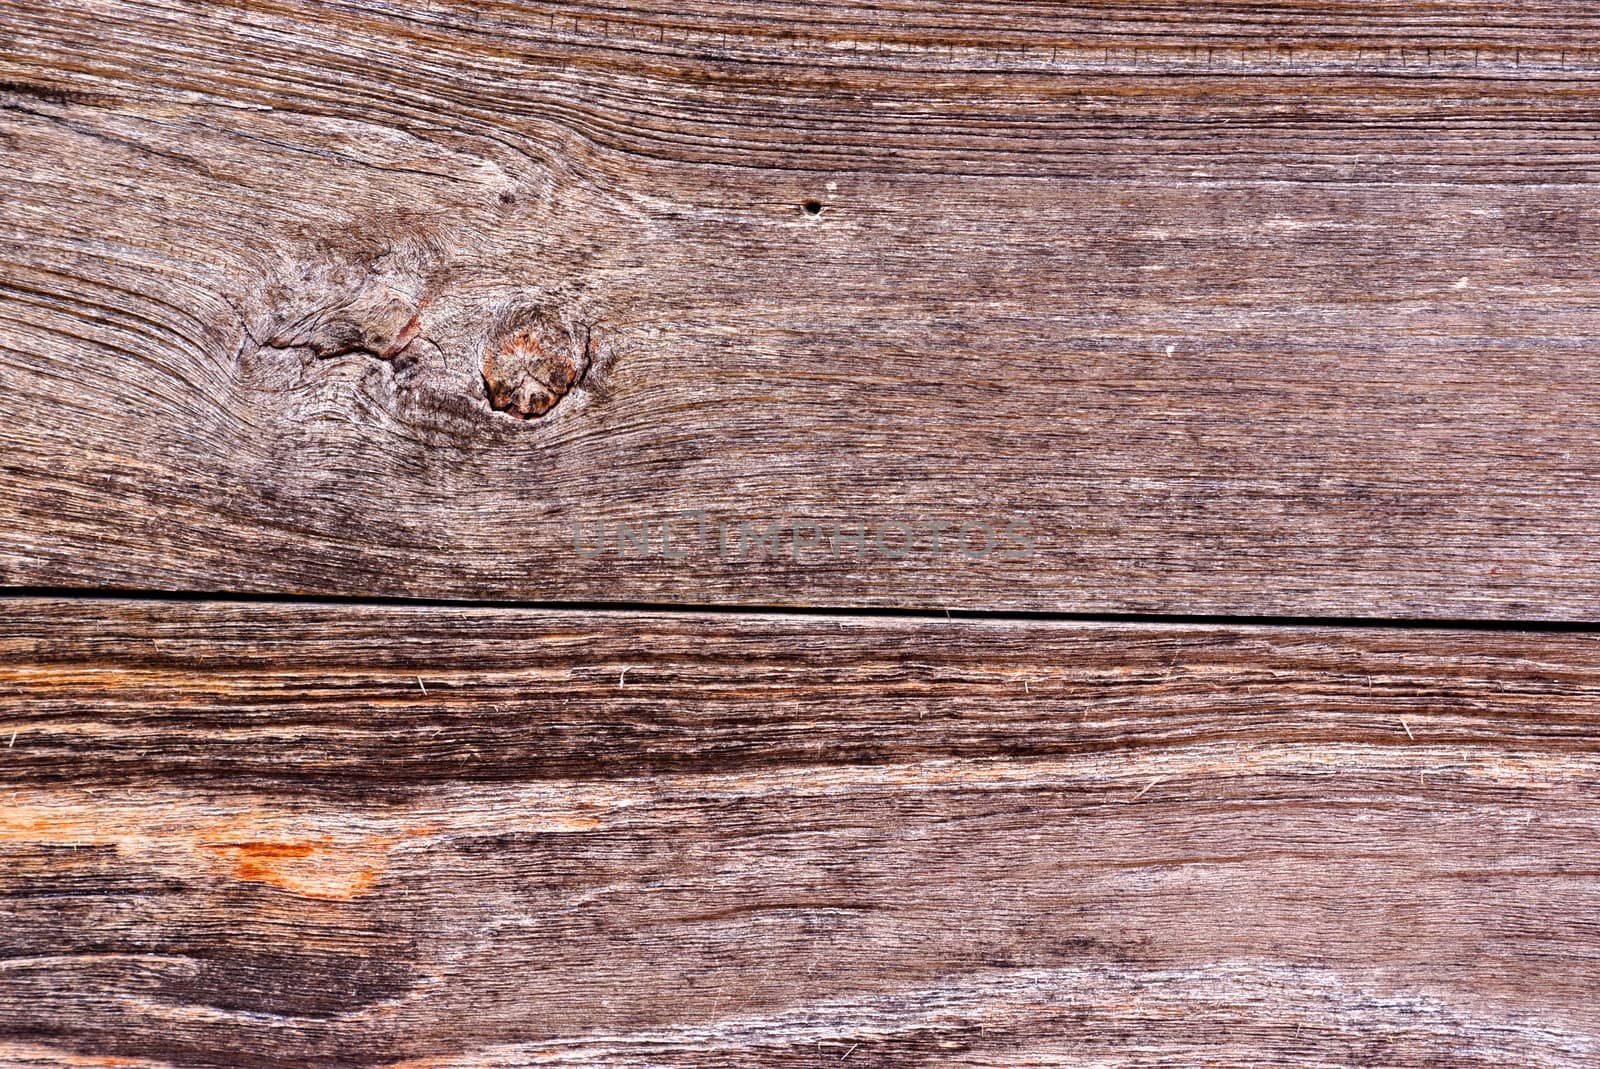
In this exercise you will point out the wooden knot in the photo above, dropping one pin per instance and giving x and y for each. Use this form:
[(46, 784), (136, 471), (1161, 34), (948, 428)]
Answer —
[(379, 321), (530, 366)]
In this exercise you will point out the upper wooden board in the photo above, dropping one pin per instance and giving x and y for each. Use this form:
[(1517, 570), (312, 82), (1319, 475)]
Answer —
[(1229, 308)]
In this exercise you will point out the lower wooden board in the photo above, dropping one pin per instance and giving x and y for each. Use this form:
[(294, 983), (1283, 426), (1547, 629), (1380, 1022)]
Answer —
[(280, 835)]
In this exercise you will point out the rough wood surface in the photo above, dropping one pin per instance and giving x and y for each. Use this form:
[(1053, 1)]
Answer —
[(1279, 308), (304, 835)]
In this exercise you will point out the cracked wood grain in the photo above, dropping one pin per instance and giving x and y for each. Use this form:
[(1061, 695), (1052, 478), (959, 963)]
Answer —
[(1240, 309), (286, 835)]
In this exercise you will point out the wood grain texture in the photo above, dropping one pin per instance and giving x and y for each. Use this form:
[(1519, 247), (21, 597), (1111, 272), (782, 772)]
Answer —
[(304, 835), (1242, 308)]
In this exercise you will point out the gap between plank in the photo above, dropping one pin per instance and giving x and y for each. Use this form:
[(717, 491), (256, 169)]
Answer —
[(842, 611)]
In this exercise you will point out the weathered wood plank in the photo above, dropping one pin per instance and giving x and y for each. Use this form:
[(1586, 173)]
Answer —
[(1240, 309), (270, 835)]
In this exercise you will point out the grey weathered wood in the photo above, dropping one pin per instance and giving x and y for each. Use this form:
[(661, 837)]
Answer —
[(1242, 310), (305, 835)]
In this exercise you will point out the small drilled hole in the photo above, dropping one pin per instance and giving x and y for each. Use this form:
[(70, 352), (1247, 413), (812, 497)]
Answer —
[(813, 207)]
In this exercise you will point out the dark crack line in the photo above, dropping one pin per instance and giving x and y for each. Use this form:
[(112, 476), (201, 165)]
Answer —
[(843, 611)]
